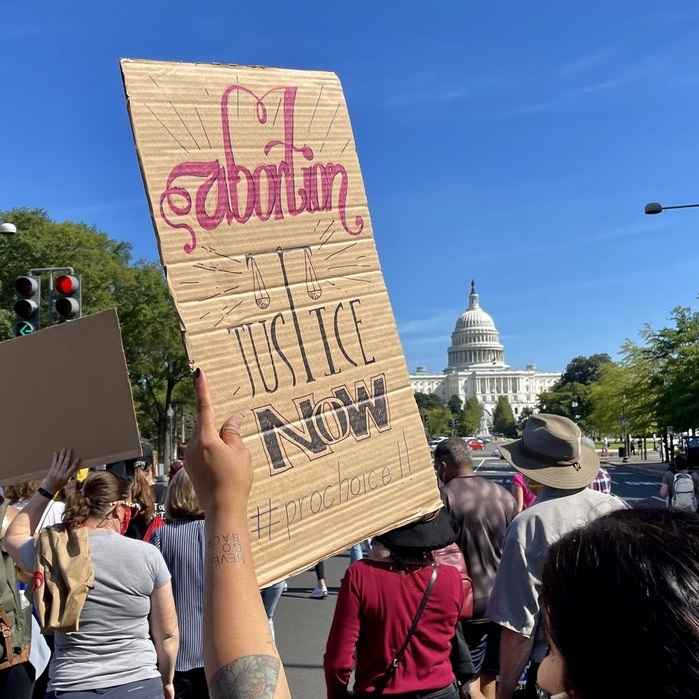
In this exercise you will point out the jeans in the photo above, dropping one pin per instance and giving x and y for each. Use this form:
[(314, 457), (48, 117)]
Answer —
[(270, 598), (145, 689)]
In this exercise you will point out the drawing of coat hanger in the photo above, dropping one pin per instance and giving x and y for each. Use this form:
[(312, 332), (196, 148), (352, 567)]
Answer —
[(312, 286), (259, 288)]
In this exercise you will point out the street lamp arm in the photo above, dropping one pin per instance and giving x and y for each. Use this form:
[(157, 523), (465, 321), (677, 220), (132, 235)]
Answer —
[(655, 208)]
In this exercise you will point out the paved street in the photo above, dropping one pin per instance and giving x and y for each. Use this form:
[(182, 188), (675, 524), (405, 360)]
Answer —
[(302, 623)]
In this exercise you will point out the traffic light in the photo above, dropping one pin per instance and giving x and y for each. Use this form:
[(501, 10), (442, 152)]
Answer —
[(27, 305), (66, 297)]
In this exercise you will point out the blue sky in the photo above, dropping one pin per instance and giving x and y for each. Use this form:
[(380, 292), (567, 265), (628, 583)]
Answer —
[(510, 142)]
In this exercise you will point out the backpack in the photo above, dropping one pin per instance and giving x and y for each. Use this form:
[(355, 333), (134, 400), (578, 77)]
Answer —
[(452, 556), (683, 493), (15, 615)]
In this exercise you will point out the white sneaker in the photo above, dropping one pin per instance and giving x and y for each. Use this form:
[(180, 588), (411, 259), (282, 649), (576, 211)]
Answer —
[(319, 592)]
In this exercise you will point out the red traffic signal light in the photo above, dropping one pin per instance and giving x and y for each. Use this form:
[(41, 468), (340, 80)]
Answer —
[(66, 284), (65, 288)]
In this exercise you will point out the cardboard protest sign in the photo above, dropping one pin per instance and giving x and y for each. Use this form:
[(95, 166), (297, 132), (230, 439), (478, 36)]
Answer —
[(66, 386), (262, 221)]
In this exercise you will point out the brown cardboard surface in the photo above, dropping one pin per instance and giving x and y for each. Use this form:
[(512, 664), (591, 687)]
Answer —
[(66, 386), (264, 230)]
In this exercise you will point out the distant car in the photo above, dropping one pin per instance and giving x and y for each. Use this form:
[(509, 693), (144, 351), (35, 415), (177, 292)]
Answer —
[(475, 444)]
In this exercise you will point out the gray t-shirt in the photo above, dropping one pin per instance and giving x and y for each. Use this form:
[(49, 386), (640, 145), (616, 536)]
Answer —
[(113, 646), (514, 602)]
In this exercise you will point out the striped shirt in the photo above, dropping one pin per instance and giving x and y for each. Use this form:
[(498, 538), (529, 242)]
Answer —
[(182, 546)]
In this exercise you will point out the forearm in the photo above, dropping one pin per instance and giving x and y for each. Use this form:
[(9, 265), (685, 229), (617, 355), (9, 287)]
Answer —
[(515, 650), (166, 649), (238, 650), (519, 499), (24, 524)]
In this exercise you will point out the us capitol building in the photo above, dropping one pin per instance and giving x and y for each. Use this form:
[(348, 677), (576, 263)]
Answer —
[(477, 368)]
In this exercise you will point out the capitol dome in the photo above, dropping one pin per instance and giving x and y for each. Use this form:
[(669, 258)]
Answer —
[(475, 340)]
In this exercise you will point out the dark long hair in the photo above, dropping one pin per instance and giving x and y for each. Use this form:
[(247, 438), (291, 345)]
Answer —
[(621, 597)]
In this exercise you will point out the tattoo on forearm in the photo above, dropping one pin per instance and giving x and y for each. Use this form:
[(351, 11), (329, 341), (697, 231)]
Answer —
[(249, 677), (225, 549)]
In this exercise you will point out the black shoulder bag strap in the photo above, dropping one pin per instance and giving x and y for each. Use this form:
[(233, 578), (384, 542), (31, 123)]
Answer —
[(391, 669)]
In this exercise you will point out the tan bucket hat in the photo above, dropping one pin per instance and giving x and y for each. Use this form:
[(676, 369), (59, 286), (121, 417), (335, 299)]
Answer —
[(552, 452)]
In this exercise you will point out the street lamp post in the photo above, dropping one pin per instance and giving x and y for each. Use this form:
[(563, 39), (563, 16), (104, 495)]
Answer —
[(168, 436), (7, 229), (654, 207)]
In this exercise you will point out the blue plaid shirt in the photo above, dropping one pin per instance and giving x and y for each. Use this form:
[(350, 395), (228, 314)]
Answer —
[(602, 482)]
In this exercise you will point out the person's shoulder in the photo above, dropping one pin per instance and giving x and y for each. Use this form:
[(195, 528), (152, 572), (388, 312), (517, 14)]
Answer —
[(361, 572), (493, 493), (450, 574), (475, 483), (365, 567), (111, 549), (612, 502), (184, 527)]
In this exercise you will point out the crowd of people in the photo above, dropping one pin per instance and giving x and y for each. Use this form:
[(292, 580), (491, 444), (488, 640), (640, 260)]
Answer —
[(139, 589)]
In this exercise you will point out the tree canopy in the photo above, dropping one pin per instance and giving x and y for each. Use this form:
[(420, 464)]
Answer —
[(150, 328), (427, 401), (584, 370), (454, 404), (570, 395)]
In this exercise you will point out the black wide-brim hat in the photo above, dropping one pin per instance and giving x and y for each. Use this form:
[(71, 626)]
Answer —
[(427, 534)]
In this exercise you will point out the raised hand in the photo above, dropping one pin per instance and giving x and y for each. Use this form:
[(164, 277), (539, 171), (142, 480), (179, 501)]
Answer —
[(64, 465), (217, 460)]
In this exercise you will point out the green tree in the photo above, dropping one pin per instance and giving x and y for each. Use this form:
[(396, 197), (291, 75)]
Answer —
[(150, 328), (158, 366), (584, 370), (427, 401), (455, 404), (438, 421), (570, 395), (669, 359), (504, 419), (471, 420)]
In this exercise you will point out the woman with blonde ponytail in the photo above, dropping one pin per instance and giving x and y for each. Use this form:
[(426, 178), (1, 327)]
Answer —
[(127, 640)]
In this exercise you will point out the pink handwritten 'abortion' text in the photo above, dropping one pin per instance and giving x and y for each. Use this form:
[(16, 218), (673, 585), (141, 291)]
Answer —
[(233, 192)]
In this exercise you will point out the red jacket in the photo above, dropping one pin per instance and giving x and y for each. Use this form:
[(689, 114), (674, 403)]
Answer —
[(374, 611)]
